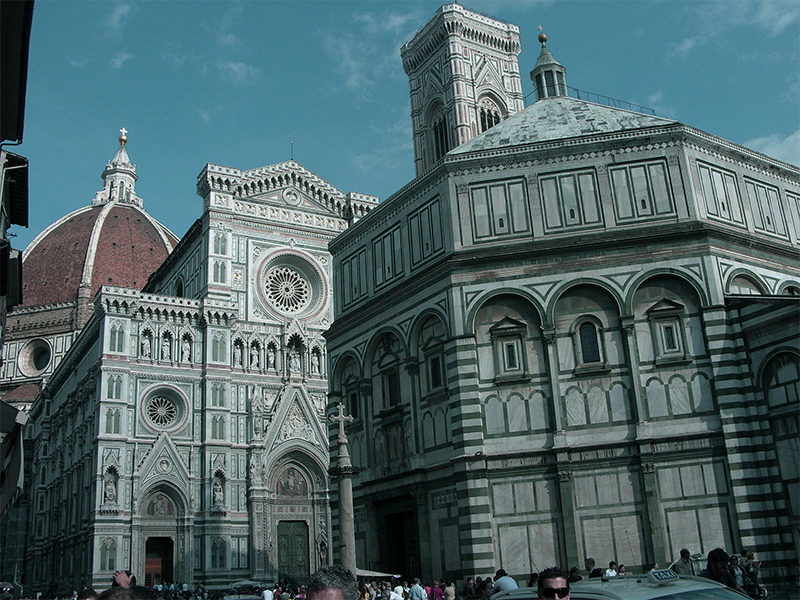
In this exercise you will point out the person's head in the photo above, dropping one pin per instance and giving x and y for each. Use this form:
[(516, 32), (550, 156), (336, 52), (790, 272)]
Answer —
[(588, 563), (553, 583), (470, 580), (685, 553), (718, 561), (500, 573), (417, 581), (621, 570), (117, 592), (332, 583), (612, 564), (734, 561), (87, 593), (744, 552)]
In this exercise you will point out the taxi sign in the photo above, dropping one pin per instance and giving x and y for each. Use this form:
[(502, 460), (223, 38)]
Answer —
[(662, 576)]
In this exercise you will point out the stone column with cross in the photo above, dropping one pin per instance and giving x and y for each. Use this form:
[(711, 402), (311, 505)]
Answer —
[(344, 470)]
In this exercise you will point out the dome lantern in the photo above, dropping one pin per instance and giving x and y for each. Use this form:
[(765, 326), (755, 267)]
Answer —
[(549, 76)]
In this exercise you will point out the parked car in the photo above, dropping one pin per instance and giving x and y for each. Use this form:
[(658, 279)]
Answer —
[(661, 585)]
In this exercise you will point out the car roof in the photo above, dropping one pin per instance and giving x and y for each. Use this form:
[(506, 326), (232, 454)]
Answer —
[(629, 587)]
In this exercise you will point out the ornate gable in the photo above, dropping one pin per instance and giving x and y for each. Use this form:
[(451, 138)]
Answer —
[(163, 462)]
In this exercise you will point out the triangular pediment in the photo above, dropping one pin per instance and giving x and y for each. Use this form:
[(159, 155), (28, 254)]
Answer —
[(665, 305), (487, 76), (295, 421), (163, 462), (507, 325), (291, 186)]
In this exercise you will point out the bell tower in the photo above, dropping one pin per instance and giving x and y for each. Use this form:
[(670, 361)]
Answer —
[(463, 72)]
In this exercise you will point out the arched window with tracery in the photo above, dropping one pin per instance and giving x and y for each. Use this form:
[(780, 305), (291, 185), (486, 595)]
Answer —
[(440, 137), (489, 114), (108, 555), (218, 554)]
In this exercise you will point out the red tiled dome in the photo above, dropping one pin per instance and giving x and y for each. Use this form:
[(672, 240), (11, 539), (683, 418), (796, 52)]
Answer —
[(110, 244)]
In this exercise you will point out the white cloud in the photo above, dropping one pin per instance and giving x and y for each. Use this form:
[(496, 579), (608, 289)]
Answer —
[(705, 21), (237, 71), (119, 59), (79, 63), (365, 54), (776, 16), (227, 39), (116, 20), (683, 47), (205, 116), (777, 146), (792, 88)]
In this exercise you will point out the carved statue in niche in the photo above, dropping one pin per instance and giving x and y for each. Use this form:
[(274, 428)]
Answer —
[(270, 358), (314, 363), (237, 355), (218, 493), (292, 484), (166, 353), (380, 451), (186, 351), (254, 357), (146, 346), (294, 361), (255, 468), (110, 489), (396, 446)]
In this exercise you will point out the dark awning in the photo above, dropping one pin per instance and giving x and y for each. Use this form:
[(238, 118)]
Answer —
[(12, 422)]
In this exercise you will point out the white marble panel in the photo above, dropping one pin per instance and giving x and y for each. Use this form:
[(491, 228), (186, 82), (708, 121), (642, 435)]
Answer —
[(493, 415), (607, 488), (679, 396), (514, 549), (692, 480), (517, 417), (503, 498), (523, 493), (538, 412), (545, 546), (669, 482), (620, 407), (576, 410), (585, 492), (656, 399), (598, 407)]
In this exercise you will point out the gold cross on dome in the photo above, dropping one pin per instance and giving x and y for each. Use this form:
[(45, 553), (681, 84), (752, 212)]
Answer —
[(123, 131), (541, 28), (341, 418)]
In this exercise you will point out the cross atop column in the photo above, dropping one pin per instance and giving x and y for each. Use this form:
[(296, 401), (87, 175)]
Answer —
[(341, 418)]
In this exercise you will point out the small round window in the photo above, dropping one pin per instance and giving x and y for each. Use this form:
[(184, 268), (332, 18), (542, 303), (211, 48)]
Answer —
[(34, 357)]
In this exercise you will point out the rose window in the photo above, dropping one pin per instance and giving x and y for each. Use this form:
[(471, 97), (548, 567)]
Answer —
[(287, 290), (162, 411)]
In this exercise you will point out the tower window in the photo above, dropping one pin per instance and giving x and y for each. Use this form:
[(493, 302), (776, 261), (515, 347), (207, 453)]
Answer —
[(489, 114)]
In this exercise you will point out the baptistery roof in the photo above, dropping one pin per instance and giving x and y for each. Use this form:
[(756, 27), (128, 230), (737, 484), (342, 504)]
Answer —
[(111, 242)]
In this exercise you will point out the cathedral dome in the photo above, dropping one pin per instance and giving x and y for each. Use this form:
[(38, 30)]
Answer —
[(111, 242)]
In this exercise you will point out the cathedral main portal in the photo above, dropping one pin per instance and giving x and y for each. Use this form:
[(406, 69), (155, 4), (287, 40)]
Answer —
[(158, 560), (293, 550)]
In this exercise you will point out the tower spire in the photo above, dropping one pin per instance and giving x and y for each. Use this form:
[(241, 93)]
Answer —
[(549, 76), (119, 177)]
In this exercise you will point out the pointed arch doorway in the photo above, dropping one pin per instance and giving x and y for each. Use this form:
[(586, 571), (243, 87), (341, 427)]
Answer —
[(162, 535)]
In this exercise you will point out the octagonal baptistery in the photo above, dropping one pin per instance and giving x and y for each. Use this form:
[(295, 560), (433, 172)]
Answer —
[(113, 241)]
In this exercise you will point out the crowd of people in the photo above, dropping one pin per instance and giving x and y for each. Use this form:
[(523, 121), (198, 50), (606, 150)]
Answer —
[(737, 572)]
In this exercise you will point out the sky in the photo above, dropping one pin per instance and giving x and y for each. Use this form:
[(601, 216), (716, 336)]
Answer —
[(228, 83)]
